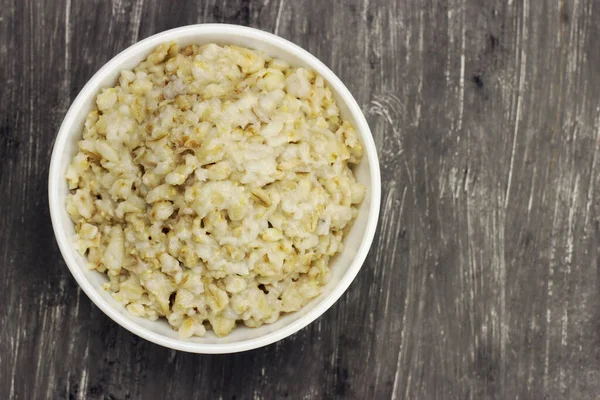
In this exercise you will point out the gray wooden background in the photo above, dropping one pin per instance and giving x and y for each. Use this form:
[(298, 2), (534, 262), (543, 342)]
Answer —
[(483, 281)]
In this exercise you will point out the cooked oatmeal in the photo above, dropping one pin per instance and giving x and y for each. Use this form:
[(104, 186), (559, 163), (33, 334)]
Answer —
[(212, 185)]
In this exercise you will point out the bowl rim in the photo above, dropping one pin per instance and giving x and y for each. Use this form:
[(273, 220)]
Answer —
[(66, 248)]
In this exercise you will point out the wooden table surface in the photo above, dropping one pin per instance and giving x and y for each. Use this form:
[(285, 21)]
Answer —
[(483, 280)]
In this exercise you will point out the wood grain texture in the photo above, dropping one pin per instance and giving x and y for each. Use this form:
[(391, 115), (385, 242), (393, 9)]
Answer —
[(483, 280)]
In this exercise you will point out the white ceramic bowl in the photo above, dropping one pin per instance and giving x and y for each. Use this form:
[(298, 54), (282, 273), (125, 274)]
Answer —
[(344, 266)]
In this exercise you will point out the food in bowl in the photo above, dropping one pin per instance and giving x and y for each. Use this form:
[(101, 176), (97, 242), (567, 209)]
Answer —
[(213, 185)]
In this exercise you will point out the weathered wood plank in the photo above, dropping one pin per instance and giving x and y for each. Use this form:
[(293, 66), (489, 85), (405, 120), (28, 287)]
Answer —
[(483, 281)]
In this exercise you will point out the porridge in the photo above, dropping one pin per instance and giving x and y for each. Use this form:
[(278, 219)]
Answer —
[(212, 186)]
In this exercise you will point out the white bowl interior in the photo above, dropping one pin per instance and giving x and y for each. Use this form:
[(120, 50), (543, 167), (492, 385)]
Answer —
[(344, 266)]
